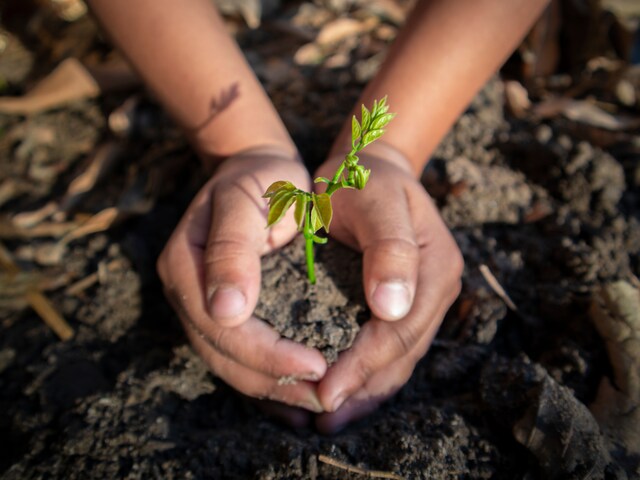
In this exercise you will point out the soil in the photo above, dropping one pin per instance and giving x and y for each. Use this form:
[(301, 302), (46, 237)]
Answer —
[(550, 206), (327, 315)]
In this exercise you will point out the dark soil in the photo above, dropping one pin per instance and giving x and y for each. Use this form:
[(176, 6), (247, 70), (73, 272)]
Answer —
[(549, 206), (326, 315)]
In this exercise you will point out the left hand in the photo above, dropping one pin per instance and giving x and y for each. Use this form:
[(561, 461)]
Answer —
[(411, 273)]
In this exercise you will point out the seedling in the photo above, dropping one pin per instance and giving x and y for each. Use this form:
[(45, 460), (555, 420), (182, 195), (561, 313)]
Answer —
[(314, 211)]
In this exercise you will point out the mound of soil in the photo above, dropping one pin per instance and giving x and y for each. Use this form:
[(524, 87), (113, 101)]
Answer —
[(327, 315)]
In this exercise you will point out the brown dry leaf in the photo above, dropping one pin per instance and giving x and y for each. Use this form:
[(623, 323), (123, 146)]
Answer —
[(69, 82), (308, 54), (249, 10), (9, 230), (69, 10), (496, 287), (99, 166), (387, 10), (338, 30), (37, 300), (615, 311), (26, 220), (582, 111), (516, 98), (101, 221)]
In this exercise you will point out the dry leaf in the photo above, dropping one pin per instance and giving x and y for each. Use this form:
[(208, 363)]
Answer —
[(496, 287), (69, 82), (37, 300), (387, 10), (338, 30), (516, 98), (249, 10), (69, 10), (34, 217), (105, 158), (585, 112), (308, 54), (615, 311)]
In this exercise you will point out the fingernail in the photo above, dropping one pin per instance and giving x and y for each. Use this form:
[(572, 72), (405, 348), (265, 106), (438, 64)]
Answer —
[(337, 403), (313, 403), (225, 302), (393, 299)]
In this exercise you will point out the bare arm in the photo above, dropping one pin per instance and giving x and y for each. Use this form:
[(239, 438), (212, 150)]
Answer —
[(185, 55), (442, 57)]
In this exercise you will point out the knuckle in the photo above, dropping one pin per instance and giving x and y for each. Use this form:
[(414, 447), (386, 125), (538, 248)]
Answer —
[(221, 251), (398, 248), (363, 371), (404, 341), (394, 251)]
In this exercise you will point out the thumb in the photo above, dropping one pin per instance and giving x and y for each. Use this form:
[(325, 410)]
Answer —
[(390, 255), (237, 238)]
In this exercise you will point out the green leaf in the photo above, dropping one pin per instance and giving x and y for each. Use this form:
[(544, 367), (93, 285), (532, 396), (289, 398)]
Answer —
[(278, 205), (371, 137), (322, 204), (320, 240), (366, 118), (361, 177), (382, 121), (380, 106), (355, 129), (316, 223), (275, 186), (322, 180), (302, 200)]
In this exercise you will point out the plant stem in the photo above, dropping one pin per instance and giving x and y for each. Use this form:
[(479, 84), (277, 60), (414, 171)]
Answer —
[(336, 181), (308, 244)]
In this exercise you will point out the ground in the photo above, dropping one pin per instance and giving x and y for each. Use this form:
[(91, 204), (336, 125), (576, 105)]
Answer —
[(534, 373)]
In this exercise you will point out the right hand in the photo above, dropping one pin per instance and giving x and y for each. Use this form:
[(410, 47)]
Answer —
[(210, 269)]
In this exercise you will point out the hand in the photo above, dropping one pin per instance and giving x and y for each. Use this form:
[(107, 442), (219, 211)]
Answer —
[(210, 268), (411, 273)]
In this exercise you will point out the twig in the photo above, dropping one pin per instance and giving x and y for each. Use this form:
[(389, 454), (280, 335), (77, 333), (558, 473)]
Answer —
[(37, 300), (496, 287), (357, 470)]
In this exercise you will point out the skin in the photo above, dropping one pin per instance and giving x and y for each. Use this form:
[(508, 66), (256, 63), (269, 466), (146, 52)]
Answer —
[(412, 267)]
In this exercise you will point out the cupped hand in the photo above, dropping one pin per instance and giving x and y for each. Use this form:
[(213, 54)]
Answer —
[(210, 269), (411, 273)]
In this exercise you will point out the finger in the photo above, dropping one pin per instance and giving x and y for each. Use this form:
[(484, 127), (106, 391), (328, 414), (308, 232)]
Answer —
[(238, 237), (380, 343), (357, 366), (253, 344), (386, 236), (232, 254), (368, 398), (254, 384), (266, 351)]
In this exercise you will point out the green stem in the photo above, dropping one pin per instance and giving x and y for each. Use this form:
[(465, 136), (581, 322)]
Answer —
[(336, 181), (308, 244)]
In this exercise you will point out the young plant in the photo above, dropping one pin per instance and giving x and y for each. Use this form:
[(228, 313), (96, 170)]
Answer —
[(314, 211)]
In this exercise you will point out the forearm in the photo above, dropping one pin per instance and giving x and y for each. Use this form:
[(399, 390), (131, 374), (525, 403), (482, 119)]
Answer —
[(185, 55), (441, 58)]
